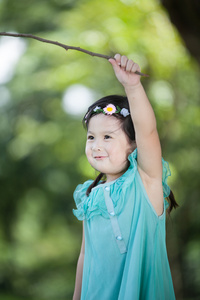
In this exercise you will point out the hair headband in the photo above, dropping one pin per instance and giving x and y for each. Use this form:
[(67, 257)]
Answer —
[(110, 109)]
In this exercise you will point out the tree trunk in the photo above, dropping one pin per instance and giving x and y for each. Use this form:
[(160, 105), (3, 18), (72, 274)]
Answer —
[(184, 14)]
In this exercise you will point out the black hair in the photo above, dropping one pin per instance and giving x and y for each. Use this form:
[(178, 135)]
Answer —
[(127, 127)]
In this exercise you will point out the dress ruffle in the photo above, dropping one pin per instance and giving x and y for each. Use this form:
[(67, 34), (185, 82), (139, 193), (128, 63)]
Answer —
[(165, 174), (94, 204)]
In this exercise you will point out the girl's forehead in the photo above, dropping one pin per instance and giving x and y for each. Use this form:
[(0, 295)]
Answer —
[(102, 121)]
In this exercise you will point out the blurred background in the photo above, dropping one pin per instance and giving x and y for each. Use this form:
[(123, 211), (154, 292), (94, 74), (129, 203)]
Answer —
[(44, 92)]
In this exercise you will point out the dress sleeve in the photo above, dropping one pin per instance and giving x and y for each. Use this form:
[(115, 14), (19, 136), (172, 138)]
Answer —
[(165, 174), (80, 199)]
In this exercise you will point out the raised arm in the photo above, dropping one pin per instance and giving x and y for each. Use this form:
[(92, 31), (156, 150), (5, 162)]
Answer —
[(147, 139)]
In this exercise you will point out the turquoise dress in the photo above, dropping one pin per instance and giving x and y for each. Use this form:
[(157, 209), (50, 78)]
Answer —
[(125, 248)]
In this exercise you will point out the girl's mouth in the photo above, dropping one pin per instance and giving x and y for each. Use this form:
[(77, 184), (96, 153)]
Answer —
[(100, 157)]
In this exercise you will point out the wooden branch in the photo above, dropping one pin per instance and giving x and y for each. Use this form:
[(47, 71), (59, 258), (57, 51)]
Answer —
[(66, 47)]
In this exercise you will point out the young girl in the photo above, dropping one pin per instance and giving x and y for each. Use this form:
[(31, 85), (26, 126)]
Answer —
[(123, 211)]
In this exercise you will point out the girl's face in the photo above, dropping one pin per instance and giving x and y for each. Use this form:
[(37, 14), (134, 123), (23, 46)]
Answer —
[(107, 146)]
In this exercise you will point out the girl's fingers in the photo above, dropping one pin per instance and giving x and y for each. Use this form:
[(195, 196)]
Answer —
[(135, 68), (115, 64), (124, 61), (117, 57), (129, 65), (121, 60)]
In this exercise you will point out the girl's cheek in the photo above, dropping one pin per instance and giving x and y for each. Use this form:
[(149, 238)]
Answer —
[(87, 150), (109, 145)]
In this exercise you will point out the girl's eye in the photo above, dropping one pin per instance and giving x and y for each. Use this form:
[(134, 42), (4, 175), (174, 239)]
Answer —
[(90, 137), (107, 137)]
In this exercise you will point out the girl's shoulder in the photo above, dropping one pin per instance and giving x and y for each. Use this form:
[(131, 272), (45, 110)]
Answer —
[(80, 191)]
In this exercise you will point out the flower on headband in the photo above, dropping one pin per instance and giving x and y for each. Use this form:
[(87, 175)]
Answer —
[(110, 109), (96, 108), (124, 112)]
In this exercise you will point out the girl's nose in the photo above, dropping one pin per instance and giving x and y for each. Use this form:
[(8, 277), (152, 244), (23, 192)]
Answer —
[(96, 147)]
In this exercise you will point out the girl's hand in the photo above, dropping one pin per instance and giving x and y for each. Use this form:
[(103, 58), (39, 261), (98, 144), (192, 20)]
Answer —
[(124, 69)]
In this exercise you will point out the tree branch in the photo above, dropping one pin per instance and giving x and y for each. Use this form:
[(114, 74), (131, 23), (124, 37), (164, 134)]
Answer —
[(66, 47)]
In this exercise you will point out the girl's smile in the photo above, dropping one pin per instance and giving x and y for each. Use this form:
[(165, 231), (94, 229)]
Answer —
[(107, 146), (100, 157)]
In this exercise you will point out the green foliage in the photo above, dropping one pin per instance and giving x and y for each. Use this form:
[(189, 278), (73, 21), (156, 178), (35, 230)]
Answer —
[(42, 147)]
